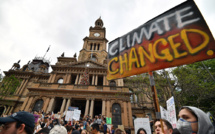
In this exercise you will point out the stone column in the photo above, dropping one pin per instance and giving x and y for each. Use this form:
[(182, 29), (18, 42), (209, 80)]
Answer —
[(24, 103), (8, 109), (76, 80), (65, 78), (46, 104), (79, 81), (130, 115), (125, 116), (93, 80), (92, 108), (50, 105), (53, 78), (68, 103), (87, 107), (96, 81), (28, 104), (17, 91), (104, 83), (63, 106), (103, 107), (11, 110), (21, 90), (68, 78), (108, 108)]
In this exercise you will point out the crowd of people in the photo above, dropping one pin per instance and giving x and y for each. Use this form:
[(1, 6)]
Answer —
[(191, 120)]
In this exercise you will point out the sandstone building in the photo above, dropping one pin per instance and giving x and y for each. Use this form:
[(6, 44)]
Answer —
[(63, 87)]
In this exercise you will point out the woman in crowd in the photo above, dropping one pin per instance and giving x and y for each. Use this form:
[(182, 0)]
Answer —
[(141, 131), (193, 120)]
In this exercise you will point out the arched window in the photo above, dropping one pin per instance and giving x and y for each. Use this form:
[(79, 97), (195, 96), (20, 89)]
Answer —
[(60, 81), (116, 115), (93, 58), (38, 105)]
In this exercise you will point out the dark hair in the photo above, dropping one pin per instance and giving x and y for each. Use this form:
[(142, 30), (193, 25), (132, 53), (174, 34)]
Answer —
[(141, 129), (44, 131), (191, 111), (69, 128), (169, 126), (28, 130), (175, 131), (95, 126)]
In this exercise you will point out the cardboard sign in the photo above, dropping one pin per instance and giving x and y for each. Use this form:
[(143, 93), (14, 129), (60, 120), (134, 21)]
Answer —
[(69, 115), (171, 112), (176, 37), (164, 113), (108, 120), (76, 115), (142, 123)]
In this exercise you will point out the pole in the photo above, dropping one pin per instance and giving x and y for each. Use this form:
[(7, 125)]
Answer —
[(155, 97)]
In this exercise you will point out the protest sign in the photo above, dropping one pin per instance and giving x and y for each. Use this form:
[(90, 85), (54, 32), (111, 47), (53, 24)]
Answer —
[(171, 111), (69, 115), (178, 36), (76, 115), (72, 108), (108, 120), (142, 123), (164, 113)]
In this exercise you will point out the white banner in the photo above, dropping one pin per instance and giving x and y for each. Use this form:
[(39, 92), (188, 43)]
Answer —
[(69, 115), (76, 115), (164, 113), (142, 123), (171, 111)]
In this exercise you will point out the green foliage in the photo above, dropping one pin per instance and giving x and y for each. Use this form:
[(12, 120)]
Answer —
[(8, 85), (141, 84), (195, 86)]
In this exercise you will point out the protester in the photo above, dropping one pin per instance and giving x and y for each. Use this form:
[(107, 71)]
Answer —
[(141, 131), (166, 126), (95, 128), (18, 123), (104, 127), (175, 131), (83, 132), (57, 129), (194, 121), (118, 131), (43, 131), (69, 129)]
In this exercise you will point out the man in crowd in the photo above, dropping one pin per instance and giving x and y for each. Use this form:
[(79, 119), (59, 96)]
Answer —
[(95, 128), (18, 123), (166, 126)]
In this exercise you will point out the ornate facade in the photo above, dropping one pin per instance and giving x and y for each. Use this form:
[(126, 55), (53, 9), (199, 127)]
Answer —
[(56, 91)]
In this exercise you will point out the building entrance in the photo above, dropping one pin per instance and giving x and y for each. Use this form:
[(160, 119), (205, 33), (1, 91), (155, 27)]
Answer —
[(57, 104), (80, 104)]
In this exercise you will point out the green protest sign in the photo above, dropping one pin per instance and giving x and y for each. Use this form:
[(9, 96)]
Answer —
[(108, 120)]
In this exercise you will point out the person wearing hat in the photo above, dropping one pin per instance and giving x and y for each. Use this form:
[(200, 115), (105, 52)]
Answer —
[(18, 123)]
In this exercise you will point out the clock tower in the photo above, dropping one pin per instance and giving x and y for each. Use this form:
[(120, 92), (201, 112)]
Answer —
[(94, 47)]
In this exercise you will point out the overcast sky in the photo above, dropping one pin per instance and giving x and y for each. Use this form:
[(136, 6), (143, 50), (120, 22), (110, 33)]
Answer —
[(28, 27)]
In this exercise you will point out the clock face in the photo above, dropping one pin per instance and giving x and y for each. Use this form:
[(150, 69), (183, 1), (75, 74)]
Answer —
[(96, 34)]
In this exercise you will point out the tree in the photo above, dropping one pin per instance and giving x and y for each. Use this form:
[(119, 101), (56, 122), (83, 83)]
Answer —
[(195, 86), (9, 85), (140, 84)]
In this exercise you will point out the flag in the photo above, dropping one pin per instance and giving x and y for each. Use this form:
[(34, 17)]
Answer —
[(48, 49)]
